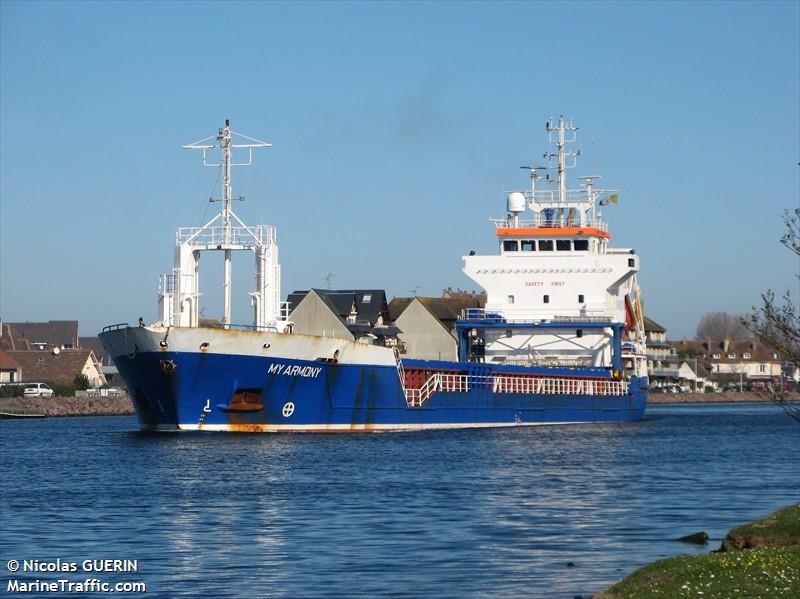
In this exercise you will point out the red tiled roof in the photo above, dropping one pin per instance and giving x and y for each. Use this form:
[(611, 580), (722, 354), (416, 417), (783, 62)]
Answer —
[(7, 362)]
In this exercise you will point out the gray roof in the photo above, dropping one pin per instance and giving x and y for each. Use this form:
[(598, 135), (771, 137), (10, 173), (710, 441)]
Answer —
[(652, 325), (53, 333), (369, 303), (445, 309)]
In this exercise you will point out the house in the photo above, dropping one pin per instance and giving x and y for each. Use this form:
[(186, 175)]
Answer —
[(735, 362), (107, 364), (352, 314), (59, 366), (662, 361), (10, 369), (428, 324), (19, 336)]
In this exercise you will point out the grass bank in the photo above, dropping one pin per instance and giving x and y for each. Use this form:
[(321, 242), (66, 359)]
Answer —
[(761, 559)]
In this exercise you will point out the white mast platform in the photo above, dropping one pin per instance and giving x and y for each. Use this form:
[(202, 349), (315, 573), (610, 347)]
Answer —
[(179, 292)]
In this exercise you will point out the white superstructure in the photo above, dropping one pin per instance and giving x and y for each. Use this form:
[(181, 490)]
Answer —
[(179, 291), (556, 266)]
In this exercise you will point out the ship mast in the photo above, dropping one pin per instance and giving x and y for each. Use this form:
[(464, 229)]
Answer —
[(225, 143), (558, 135)]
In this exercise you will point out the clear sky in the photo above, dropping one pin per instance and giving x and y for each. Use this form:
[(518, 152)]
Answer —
[(397, 128)]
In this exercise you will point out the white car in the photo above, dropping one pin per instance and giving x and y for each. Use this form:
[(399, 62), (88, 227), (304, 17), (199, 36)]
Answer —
[(38, 390)]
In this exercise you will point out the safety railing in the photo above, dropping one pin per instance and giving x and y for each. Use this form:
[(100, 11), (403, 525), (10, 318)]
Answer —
[(462, 383), (591, 313), (243, 236), (545, 220)]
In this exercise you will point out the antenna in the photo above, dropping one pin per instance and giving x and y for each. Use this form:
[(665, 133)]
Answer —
[(328, 279), (557, 134), (534, 177), (413, 290)]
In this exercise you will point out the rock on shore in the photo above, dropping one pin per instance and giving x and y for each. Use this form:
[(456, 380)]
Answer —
[(670, 398), (68, 406)]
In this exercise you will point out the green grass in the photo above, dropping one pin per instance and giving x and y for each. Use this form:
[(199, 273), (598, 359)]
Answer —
[(770, 569), (779, 529), (765, 572)]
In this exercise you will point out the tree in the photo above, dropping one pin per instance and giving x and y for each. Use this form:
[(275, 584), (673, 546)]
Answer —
[(81, 381), (778, 324), (719, 325)]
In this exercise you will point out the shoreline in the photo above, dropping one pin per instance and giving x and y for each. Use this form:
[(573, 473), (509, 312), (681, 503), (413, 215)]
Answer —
[(122, 406), (67, 406), (729, 397)]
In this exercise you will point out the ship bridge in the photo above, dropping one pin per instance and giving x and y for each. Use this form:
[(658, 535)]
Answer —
[(556, 291)]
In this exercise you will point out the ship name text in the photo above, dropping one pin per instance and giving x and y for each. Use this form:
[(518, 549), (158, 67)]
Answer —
[(289, 370)]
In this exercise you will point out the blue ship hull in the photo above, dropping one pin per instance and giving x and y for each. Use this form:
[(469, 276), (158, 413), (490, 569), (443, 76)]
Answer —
[(198, 391)]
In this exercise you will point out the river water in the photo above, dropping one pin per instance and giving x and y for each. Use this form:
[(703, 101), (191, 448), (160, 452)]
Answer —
[(551, 511)]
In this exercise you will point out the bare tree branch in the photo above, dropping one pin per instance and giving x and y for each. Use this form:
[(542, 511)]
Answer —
[(778, 325), (721, 325)]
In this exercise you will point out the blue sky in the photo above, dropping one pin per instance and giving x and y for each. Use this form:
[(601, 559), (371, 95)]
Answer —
[(397, 128)]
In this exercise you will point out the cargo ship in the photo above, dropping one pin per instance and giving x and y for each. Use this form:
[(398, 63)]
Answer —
[(560, 339)]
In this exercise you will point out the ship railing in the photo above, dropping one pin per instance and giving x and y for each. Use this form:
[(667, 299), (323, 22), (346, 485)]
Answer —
[(546, 220), (589, 314), (529, 385), (212, 236)]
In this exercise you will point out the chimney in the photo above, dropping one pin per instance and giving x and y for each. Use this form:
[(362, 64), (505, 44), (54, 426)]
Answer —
[(726, 344)]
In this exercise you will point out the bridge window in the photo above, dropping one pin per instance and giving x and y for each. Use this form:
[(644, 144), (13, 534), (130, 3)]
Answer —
[(546, 245), (546, 299), (510, 245), (581, 245), (528, 245), (563, 245)]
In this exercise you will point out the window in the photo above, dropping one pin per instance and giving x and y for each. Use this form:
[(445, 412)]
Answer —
[(580, 298), (746, 355), (546, 299), (581, 245), (510, 299), (762, 367), (546, 245), (731, 356), (510, 245), (579, 333), (367, 298), (563, 245), (528, 245), (631, 262), (715, 356), (508, 333)]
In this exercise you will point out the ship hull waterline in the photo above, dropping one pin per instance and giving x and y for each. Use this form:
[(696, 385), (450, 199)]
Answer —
[(177, 383)]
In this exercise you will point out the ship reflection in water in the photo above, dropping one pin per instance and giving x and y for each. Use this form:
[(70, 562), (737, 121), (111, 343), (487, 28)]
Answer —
[(497, 512)]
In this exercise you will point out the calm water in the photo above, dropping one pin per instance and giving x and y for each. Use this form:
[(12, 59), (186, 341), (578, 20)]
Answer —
[(451, 513)]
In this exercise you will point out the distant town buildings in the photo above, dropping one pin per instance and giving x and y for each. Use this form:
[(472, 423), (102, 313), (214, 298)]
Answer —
[(428, 324), (48, 352), (717, 363), (352, 314), (419, 327)]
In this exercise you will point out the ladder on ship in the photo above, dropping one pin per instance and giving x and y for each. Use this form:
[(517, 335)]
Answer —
[(400, 370)]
